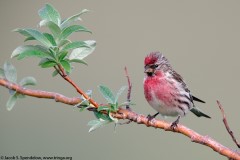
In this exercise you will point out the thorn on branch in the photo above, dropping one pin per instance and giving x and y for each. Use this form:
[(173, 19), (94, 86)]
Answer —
[(227, 126)]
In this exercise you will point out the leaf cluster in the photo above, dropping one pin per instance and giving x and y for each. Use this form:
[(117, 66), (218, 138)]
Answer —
[(103, 112), (55, 48)]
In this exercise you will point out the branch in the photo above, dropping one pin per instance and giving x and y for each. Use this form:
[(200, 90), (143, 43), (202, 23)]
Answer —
[(194, 136), (132, 116), (68, 79), (40, 94), (227, 126)]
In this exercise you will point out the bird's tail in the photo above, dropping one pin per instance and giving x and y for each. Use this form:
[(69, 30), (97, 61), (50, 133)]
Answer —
[(198, 113)]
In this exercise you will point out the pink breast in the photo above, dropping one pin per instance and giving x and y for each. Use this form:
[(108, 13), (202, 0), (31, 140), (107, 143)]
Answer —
[(159, 88)]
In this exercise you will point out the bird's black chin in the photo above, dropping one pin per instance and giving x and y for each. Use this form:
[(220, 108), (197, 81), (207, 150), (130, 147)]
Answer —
[(149, 74)]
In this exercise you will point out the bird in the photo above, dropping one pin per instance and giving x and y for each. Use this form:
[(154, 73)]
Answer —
[(166, 91)]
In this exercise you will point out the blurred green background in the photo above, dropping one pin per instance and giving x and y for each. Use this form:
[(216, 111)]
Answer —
[(201, 40)]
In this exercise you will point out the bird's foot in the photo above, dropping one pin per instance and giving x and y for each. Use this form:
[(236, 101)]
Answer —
[(175, 123), (150, 117)]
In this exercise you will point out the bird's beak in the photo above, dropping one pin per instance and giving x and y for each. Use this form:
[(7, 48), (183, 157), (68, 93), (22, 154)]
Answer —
[(149, 71)]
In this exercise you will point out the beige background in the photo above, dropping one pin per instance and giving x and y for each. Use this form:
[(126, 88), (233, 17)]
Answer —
[(200, 38)]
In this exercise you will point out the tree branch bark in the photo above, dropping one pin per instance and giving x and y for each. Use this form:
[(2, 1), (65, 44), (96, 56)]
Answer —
[(39, 93), (130, 115), (194, 136)]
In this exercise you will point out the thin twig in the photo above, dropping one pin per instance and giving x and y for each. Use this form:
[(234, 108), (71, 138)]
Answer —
[(128, 94), (68, 79), (129, 87), (227, 126)]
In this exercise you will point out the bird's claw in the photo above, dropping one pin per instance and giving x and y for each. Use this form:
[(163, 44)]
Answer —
[(175, 123), (151, 117)]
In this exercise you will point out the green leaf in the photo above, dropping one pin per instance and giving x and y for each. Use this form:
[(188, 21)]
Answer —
[(97, 124), (112, 118), (62, 55), (73, 45), (74, 28), (102, 116), (52, 27), (126, 103), (53, 53), (35, 34), (28, 81), (114, 107), (46, 63), (2, 73), (78, 61), (84, 104), (83, 108), (93, 122), (11, 92), (107, 94), (55, 73), (30, 51), (11, 102), (22, 32), (66, 65), (20, 95), (101, 108), (120, 91), (29, 39), (10, 72), (72, 19), (50, 38), (81, 53), (63, 42), (48, 12), (47, 35)]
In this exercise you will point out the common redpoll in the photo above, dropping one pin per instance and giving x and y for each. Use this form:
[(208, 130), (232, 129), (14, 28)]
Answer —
[(165, 89)]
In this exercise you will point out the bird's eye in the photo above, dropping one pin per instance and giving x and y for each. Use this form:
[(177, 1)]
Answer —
[(155, 65)]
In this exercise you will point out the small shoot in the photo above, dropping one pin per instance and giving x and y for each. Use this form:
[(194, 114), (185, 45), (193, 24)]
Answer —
[(104, 112), (84, 104)]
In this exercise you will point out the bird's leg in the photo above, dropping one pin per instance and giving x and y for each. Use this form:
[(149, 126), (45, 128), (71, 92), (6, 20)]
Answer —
[(149, 117), (175, 123)]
